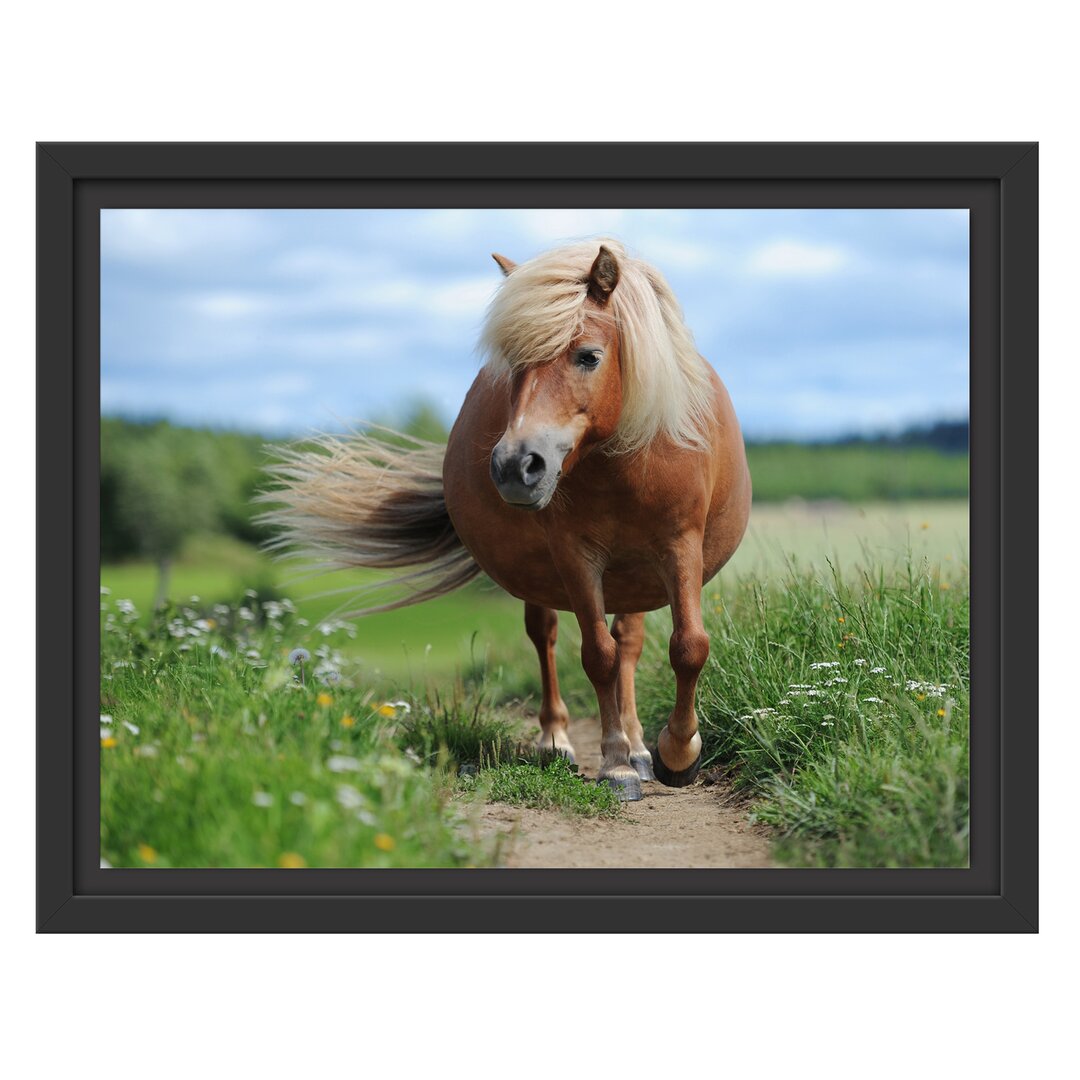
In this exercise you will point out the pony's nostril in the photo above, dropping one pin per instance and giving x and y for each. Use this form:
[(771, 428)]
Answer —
[(532, 469)]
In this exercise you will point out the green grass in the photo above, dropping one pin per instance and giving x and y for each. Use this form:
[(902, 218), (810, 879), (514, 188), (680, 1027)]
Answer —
[(840, 702), (460, 729), (555, 785), (214, 754)]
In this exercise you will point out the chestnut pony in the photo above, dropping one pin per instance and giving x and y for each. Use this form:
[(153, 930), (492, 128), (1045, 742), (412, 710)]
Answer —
[(596, 466)]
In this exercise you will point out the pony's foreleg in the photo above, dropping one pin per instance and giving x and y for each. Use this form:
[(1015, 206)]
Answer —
[(629, 632), (542, 626), (600, 659), (678, 749)]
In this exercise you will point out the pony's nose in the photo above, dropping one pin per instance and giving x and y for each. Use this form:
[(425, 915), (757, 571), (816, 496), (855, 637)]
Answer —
[(517, 474), (532, 469)]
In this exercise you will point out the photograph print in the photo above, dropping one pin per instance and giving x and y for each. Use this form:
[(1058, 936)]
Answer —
[(629, 538)]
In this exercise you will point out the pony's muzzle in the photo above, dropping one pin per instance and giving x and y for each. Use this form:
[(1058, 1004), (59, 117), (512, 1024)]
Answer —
[(520, 476)]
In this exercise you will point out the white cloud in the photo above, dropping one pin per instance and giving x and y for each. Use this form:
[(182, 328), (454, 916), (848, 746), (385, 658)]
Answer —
[(149, 235), (795, 258), (223, 304)]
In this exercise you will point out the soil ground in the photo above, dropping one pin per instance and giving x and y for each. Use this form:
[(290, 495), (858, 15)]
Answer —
[(696, 826)]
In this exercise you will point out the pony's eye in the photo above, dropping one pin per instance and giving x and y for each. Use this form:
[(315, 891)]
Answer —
[(588, 358)]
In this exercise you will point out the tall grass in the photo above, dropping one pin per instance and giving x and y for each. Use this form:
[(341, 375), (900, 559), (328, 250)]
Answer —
[(840, 703), (216, 750)]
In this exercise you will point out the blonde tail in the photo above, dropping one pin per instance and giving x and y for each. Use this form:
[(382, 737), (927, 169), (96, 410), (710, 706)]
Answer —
[(364, 501)]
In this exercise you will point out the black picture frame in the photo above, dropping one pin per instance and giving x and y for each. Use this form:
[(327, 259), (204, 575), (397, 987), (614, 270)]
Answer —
[(997, 181)]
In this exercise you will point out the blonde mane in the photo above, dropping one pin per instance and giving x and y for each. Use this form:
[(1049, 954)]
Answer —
[(540, 310)]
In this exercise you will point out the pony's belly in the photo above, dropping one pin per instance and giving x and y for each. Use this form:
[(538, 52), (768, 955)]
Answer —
[(536, 581)]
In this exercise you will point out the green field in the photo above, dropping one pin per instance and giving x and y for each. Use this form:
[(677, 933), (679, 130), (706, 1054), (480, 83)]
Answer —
[(481, 625), (856, 473), (215, 754)]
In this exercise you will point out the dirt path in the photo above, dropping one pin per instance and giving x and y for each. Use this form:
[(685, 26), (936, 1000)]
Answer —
[(696, 826)]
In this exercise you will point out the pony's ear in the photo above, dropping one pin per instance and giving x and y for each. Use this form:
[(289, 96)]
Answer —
[(603, 277), (505, 265)]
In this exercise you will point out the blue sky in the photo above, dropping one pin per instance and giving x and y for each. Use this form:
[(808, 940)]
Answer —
[(821, 322)]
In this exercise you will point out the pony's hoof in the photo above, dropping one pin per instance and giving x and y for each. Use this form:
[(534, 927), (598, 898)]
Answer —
[(643, 766), (675, 779), (626, 785)]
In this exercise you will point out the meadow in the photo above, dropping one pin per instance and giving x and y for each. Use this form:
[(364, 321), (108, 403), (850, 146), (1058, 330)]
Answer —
[(835, 698)]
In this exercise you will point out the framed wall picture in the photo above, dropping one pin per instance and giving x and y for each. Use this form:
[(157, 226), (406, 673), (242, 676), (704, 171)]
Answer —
[(652, 573)]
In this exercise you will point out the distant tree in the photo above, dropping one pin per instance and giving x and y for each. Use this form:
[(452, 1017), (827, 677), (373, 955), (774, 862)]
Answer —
[(160, 484), (158, 488)]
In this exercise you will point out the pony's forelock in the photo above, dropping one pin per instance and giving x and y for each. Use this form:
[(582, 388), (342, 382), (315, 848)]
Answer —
[(540, 309)]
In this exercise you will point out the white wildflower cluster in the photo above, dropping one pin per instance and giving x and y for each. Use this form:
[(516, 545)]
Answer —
[(120, 615), (802, 702), (339, 763), (349, 798), (929, 689), (328, 664)]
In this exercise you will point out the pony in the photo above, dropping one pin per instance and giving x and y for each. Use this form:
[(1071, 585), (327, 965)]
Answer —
[(596, 467)]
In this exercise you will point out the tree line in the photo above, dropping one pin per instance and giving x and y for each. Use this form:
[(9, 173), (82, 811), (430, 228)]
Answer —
[(161, 483)]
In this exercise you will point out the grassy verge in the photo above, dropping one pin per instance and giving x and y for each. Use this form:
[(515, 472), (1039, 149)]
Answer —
[(841, 704), (217, 751)]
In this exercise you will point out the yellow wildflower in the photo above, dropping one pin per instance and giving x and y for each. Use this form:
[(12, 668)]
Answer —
[(386, 709), (324, 700), (291, 860), (384, 842), (147, 853), (348, 721), (841, 619), (941, 712), (945, 585), (108, 742)]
